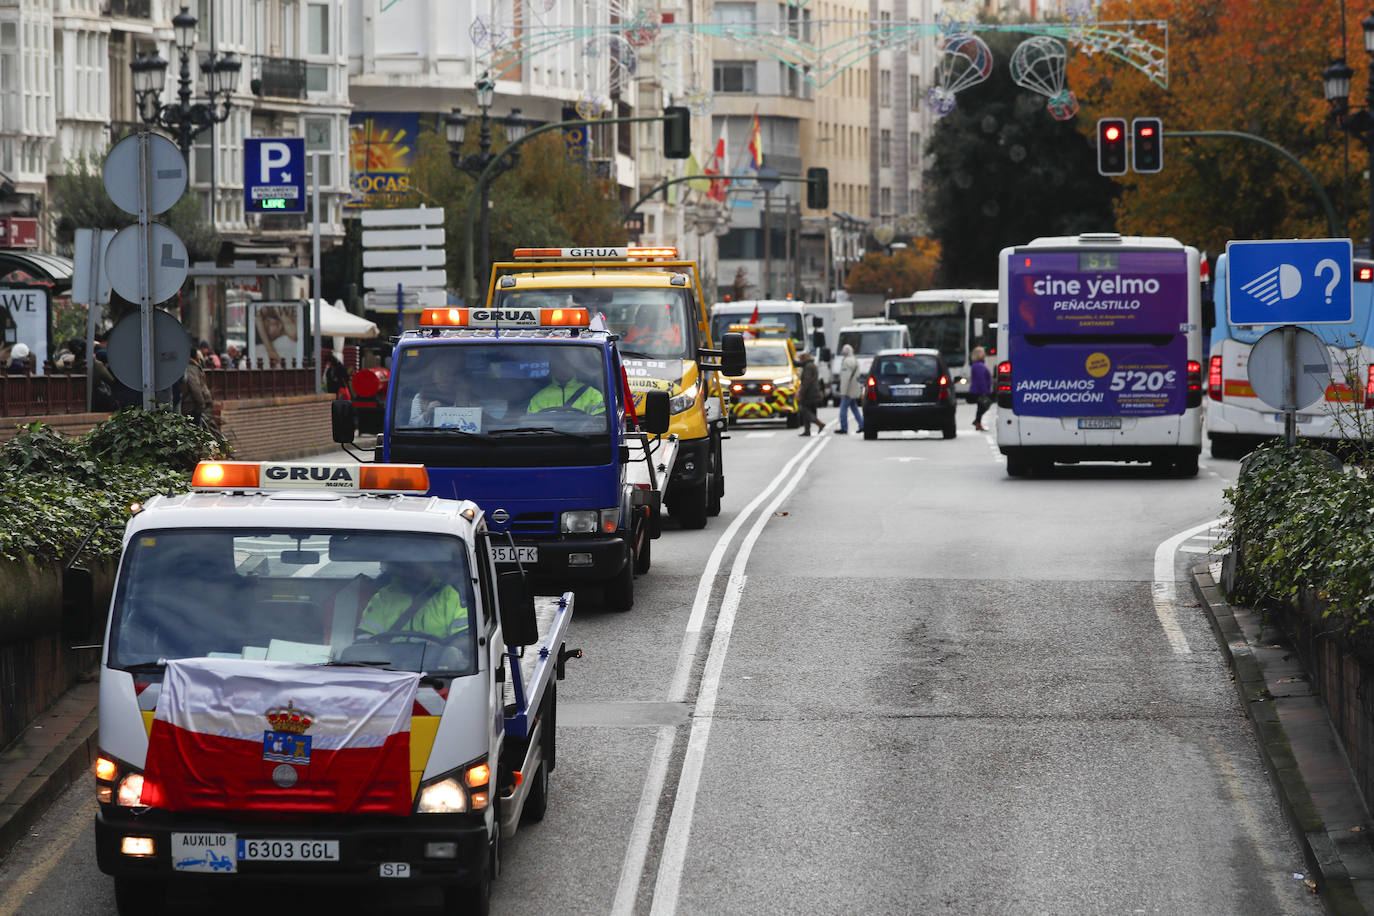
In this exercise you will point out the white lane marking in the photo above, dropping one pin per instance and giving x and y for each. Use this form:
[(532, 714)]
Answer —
[(905, 458), (761, 435), (637, 849), (671, 863), (1165, 590)]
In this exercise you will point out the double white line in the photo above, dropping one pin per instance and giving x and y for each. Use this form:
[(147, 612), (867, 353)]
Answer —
[(684, 803)]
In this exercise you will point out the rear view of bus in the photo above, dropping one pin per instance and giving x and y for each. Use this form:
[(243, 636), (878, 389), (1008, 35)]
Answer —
[(1101, 353), (1237, 420)]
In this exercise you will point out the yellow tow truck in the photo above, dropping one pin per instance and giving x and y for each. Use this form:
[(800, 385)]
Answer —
[(652, 300), (768, 389)]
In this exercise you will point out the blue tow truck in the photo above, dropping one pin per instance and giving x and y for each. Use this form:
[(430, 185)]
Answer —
[(528, 413)]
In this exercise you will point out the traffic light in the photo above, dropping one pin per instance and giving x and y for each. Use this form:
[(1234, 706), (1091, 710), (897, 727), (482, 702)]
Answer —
[(818, 188), (677, 132), (1111, 146), (1147, 144)]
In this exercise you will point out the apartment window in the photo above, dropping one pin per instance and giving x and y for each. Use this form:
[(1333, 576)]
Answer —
[(733, 14), (885, 147), (317, 25), (915, 202), (914, 99), (885, 201), (319, 137), (734, 76), (914, 149), (885, 88), (798, 20), (316, 78)]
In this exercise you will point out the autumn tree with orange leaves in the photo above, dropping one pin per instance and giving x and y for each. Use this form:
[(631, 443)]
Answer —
[(898, 274), (1239, 65)]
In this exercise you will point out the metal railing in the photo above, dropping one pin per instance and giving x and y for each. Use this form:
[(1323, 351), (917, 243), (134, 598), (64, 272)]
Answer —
[(278, 77), (23, 395)]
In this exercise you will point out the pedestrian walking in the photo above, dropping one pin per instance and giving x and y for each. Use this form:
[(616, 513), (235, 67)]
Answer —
[(809, 397), (979, 386), (851, 390), (195, 393), (335, 377)]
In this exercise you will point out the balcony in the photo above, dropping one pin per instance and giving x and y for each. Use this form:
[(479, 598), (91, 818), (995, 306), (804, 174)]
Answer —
[(278, 77), (128, 9)]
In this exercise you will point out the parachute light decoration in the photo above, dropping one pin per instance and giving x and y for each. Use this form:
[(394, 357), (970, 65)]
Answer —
[(964, 61), (1038, 65)]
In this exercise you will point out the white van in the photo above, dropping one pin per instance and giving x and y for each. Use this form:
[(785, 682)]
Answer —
[(867, 336)]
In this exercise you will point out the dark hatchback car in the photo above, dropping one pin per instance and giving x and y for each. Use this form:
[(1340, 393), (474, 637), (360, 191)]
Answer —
[(908, 389)]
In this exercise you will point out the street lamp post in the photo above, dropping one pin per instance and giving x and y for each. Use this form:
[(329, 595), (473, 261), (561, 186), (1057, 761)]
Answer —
[(474, 164), (185, 119), (1359, 123)]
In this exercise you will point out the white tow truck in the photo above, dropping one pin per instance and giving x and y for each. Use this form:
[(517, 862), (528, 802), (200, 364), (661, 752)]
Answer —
[(315, 673)]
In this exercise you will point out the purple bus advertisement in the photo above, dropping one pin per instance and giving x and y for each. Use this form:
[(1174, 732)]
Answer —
[(1098, 333)]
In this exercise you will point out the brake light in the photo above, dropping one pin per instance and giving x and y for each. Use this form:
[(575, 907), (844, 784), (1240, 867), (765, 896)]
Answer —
[(944, 388), (872, 392), (1369, 389), (1004, 378), (1214, 378), (1194, 375)]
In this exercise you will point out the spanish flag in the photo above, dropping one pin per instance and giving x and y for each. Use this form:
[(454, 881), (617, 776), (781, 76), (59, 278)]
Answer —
[(756, 145)]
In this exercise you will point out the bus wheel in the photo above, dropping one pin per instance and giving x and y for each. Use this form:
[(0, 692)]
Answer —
[(1227, 447)]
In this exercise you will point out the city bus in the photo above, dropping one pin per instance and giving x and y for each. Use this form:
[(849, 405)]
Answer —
[(953, 321), (1237, 420), (1101, 353)]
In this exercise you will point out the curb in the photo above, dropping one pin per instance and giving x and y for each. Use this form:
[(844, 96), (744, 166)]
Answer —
[(1301, 751)]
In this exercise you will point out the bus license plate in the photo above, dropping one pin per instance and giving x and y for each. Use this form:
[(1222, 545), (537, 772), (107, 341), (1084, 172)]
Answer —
[(1099, 423), (1302, 417), (288, 850), (508, 554)]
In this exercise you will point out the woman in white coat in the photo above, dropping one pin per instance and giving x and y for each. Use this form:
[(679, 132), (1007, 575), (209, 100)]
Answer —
[(851, 389)]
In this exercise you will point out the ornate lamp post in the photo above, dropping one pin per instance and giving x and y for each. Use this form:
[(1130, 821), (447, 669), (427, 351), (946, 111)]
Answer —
[(184, 119), (1359, 123), (474, 164)]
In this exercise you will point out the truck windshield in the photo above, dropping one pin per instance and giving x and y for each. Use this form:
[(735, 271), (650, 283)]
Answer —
[(866, 343), (382, 599), (652, 322), (495, 389), (792, 321), (763, 353)]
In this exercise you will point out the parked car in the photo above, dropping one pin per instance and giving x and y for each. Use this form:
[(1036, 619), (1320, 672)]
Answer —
[(908, 389)]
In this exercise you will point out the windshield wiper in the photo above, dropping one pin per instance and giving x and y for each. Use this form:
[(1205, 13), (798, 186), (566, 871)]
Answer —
[(638, 354), (447, 430), (540, 431), (146, 667), (357, 663)]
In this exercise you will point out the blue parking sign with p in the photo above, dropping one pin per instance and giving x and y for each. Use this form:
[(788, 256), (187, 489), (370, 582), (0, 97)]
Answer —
[(274, 175)]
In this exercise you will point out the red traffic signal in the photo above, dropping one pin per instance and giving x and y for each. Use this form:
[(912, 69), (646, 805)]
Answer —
[(1111, 146), (1147, 145)]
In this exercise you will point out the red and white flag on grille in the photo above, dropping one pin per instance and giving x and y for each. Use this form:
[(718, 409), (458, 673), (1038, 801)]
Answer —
[(231, 734)]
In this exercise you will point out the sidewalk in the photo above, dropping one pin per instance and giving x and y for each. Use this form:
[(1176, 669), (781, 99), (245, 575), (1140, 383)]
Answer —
[(1301, 751), (52, 753)]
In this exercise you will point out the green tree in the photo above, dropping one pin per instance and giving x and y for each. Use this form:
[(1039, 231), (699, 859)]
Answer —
[(1243, 65), (548, 200), (1003, 172)]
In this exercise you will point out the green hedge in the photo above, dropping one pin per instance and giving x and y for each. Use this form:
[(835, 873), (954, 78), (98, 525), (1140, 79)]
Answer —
[(54, 491), (1301, 522)]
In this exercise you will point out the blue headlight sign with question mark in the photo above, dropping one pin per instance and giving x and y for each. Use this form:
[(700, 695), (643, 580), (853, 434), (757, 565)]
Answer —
[(1289, 281)]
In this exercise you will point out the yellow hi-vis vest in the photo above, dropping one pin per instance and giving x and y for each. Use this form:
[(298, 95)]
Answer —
[(557, 395), (442, 615)]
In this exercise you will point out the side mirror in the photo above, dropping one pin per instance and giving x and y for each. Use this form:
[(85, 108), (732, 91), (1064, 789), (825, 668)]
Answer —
[(818, 339), (817, 321), (656, 416), (826, 355), (78, 602), (518, 624), (733, 360), (978, 327), (343, 420)]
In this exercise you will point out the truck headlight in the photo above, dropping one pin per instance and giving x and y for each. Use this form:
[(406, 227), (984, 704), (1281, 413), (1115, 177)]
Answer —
[(589, 521), (447, 796), (130, 791), (684, 400)]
